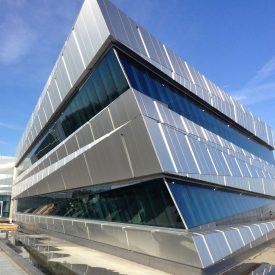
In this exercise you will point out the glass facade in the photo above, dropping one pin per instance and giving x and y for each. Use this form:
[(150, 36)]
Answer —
[(145, 81), (104, 84), (147, 203), (6, 205), (201, 205)]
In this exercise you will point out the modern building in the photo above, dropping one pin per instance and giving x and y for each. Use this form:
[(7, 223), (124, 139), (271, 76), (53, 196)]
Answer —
[(6, 180), (133, 151)]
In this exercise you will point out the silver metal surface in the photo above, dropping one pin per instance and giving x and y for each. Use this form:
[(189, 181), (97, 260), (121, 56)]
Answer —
[(137, 137)]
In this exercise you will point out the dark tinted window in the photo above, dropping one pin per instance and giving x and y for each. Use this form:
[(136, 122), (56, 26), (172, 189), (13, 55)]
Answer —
[(147, 203), (201, 205), (5, 204)]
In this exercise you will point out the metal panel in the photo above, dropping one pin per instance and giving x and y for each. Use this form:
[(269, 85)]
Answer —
[(142, 240), (42, 187), (75, 173), (56, 226), (113, 19), (202, 157), (55, 181), (111, 234), (141, 98), (166, 241), (71, 144), (255, 231), (243, 168), (155, 49), (219, 161), (108, 161), (164, 114), (159, 145), (62, 79), (202, 250), (91, 29), (264, 229), (53, 157), (84, 135), (84, 35), (125, 107), (172, 143), (122, 27), (198, 78), (54, 95), (36, 124), (61, 151), (217, 246), (75, 228), (73, 59), (233, 165), (234, 239), (140, 148), (185, 156), (178, 65), (101, 124)]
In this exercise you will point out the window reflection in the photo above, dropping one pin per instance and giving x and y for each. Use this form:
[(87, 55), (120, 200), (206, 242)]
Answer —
[(201, 205), (6, 205), (147, 203)]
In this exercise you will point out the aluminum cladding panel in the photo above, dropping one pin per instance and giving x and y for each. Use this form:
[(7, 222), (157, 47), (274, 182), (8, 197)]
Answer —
[(54, 94), (47, 106), (125, 108), (62, 77), (155, 49), (83, 43), (90, 30), (123, 28), (73, 58), (178, 65), (75, 173), (122, 154), (101, 124)]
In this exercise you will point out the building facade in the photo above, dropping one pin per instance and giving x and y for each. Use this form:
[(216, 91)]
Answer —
[(6, 180), (131, 149)]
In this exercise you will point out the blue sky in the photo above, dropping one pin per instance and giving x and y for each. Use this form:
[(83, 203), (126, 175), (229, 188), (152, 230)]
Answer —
[(231, 42)]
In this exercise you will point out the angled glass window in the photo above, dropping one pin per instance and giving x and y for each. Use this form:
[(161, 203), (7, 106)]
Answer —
[(147, 82), (105, 83), (201, 205), (5, 204), (147, 203)]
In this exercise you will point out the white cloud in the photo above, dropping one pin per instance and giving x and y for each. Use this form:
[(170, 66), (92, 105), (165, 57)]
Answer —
[(2, 142), (259, 88), (256, 94), (16, 40), (264, 73), (10, 126)]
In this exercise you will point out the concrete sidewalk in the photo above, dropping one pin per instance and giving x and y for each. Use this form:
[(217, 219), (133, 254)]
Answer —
[(82, 260), (8, 266)]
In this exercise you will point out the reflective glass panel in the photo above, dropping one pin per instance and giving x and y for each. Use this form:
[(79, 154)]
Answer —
[(147, 203), (201, 205), (6, 205)]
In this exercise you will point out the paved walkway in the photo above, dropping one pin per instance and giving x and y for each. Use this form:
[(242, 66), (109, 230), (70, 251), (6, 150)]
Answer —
[(84, 260), (8, 266)]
